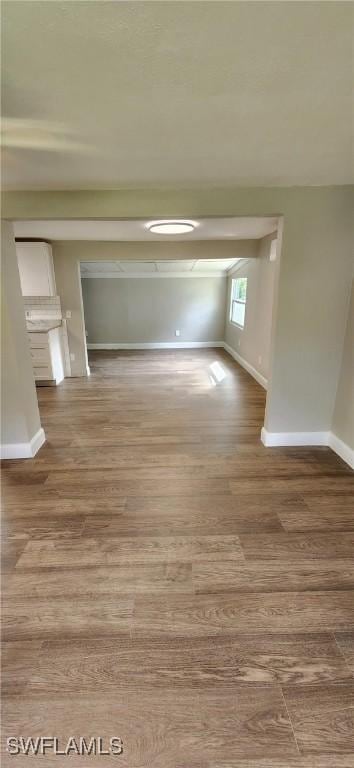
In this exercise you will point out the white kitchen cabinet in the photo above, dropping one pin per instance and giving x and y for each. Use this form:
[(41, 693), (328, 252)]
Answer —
[(47, 356), (35, 263)]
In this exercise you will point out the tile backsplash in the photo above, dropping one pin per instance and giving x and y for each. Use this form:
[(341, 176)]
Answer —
[(42, 307)]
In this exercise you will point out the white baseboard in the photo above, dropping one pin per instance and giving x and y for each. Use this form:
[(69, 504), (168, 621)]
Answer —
[(159, 345), (23, 450), (247, 366), (342, 449), (272, 439), (37, 441)]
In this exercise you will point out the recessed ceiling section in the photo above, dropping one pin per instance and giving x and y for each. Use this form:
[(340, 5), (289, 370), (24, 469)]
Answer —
[(196, 268), (213, 228), (175, 266)]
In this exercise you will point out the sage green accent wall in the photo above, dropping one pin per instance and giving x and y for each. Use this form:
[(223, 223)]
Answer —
[(20, 419), (151, 309), (314, 279)]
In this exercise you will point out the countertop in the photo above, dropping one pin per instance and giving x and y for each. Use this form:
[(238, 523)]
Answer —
[(42, 326)]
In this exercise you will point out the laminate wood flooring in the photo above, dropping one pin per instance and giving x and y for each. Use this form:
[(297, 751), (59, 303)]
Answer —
[(170, 581)]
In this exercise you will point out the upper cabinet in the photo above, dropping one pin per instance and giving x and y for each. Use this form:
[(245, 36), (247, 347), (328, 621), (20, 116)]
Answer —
[(35, 263)]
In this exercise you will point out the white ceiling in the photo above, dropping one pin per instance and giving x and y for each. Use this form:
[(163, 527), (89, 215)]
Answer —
[(232, 228), (191, 268), (178, 93)]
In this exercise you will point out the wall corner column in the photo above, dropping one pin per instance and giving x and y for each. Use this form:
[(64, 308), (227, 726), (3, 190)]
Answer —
[(21, 432)]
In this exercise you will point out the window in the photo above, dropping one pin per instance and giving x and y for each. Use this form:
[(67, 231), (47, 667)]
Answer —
[(238, 301)]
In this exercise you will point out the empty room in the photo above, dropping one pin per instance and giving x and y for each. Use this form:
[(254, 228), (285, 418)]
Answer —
[(177, 384)]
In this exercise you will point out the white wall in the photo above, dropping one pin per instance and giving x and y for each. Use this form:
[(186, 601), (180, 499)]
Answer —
[(150, 309), (21, 433), (343, 415), (253, 341)]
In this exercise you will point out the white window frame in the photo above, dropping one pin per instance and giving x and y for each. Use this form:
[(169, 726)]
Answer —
[(239, 301)]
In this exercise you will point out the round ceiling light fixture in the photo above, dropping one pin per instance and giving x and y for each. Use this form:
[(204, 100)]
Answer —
[(171, 227)]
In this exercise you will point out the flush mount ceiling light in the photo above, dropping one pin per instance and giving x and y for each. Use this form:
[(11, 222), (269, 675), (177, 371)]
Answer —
[(171, 227)]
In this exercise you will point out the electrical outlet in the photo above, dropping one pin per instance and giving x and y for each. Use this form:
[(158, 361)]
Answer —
[(68, 314), (239, 343), (72, 356), (177, 332), (260, 359)]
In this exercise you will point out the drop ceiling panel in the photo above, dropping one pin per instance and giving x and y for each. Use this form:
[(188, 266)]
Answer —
[(100, 266), (213, 265), (151, 268), (175, 266), (138, 266)]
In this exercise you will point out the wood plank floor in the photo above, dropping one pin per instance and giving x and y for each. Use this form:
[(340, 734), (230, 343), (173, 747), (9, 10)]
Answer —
[(170, 581)]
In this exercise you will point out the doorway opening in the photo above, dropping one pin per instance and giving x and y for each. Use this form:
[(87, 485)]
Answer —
[(125, 288)]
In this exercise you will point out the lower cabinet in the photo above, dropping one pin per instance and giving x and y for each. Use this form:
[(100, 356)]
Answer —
[(47, 356)]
